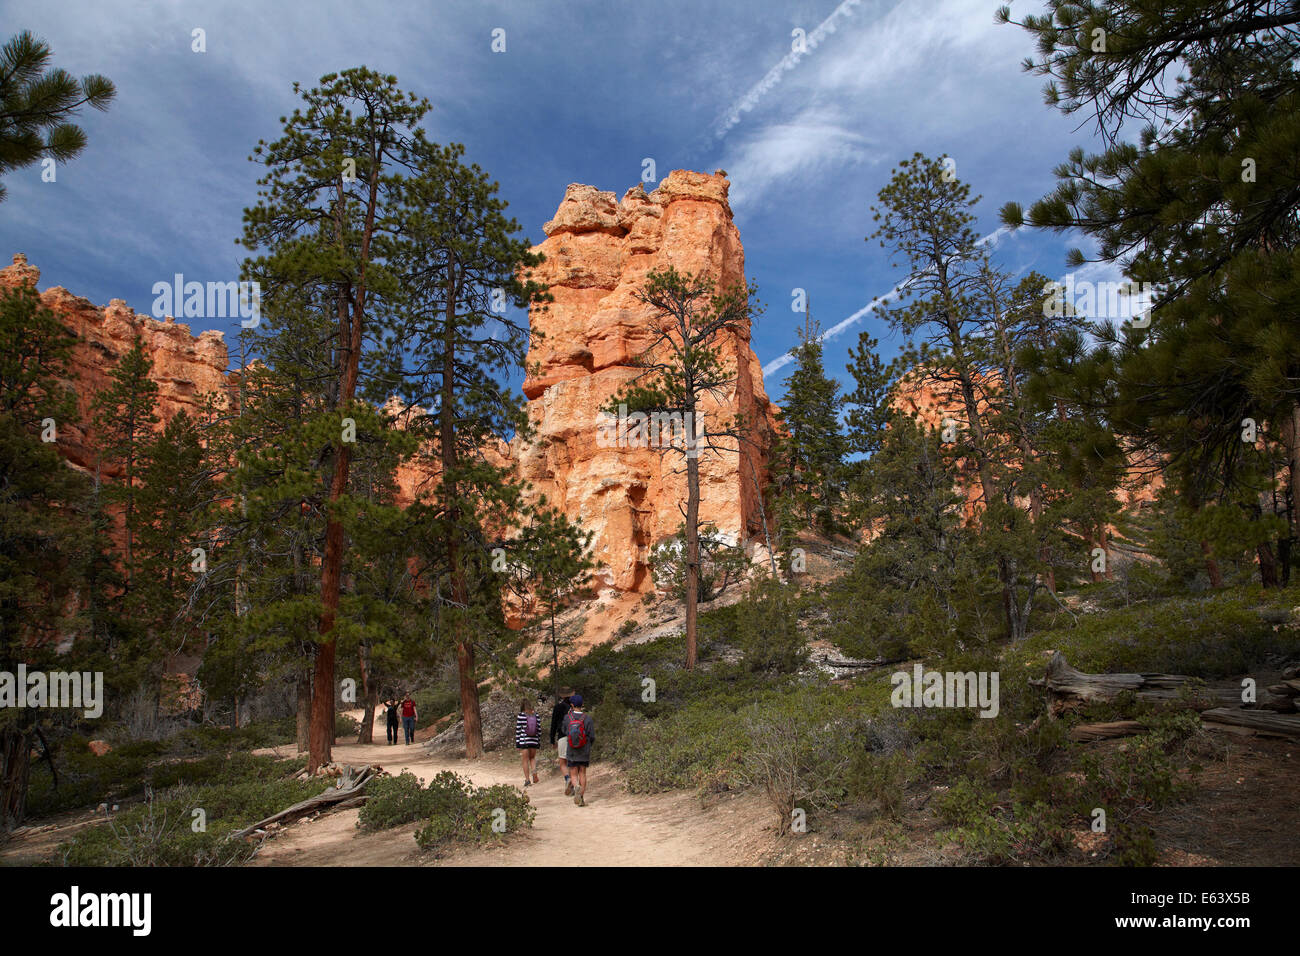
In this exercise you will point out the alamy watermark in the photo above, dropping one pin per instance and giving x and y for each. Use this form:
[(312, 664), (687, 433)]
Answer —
[(56, 689), (680, 430), (1100, 300), (76, 909), (923, 688), (210, 300)]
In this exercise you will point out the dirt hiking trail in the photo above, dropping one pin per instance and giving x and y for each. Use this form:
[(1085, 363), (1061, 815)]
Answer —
[(615, 828)]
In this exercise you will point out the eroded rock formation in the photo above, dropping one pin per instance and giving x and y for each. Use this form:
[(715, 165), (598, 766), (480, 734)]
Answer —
[(599, 252), (185, 367)]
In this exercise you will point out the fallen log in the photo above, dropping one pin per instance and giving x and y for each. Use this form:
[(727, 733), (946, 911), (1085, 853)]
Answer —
[(1087, 733), (334, 798), (847, 663), (1067, 687), (1260, 721)]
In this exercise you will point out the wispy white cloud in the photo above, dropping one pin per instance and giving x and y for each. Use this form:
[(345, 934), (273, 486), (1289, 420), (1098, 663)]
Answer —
[(808, 146)]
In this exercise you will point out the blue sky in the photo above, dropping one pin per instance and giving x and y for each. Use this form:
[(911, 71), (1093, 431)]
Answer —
[(584, 92)]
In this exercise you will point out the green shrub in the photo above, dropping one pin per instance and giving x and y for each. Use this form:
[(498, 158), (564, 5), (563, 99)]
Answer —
[(990, 832), (160, 830), (345, 725), (451, 808), (768, 632), (1218, 635), (432, 704), (392, 801), (1144, 772), (1132, 844), (882, 779), (478, 815)]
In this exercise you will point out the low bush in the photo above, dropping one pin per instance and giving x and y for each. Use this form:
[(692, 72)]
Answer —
[(451, 809), (188, 824)]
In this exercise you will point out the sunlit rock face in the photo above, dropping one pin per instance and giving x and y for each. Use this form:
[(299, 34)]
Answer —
[(598, 251), (185, 366)]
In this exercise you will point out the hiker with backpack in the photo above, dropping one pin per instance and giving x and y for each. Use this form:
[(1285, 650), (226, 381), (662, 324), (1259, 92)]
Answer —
[(390, 709), (408, 718), (558, 740), (528, 737), (579, 731)]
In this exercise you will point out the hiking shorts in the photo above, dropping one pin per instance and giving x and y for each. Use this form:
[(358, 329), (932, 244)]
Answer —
[(562, 747), (577, 763)]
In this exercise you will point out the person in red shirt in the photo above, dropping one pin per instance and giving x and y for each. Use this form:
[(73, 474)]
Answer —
[(408, 718)]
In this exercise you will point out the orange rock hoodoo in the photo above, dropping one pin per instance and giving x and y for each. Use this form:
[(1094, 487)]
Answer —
[(598, 254)]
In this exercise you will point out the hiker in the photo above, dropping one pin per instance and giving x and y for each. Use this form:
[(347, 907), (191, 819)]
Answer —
[(390, 708), (408, 718), (528, 737), (557, 733), (579, 732)]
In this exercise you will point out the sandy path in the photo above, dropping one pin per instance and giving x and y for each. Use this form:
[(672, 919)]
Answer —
[(615, 828)]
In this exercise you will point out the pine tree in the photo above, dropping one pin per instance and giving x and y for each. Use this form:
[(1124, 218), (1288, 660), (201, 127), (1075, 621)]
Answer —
[(174, 506), (919, 585), (1202, 206), (322, 225), (678, 370), (811, 452), (43, 526), (451, 349), (555, 566), (125, 416), (867, 419), (924, 217), (37, 103)]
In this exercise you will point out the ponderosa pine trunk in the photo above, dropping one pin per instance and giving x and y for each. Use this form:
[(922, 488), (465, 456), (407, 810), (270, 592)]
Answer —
[(1015, 626), (369, 697), (351, 304), (15, 775), (1291, 440), (303, 716), (321, 738), (1211, 565), (451, 503), (692, 546)]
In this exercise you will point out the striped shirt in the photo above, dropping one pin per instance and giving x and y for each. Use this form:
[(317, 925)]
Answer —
[(522, 737)]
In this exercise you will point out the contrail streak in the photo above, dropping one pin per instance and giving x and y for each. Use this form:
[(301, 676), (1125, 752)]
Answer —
[(782, 361), (787, 63)]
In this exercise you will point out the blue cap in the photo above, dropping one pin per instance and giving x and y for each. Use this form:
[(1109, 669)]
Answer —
[(576, 700)]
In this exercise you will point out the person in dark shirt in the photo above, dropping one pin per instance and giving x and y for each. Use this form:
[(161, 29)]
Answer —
[(390, 707), (581, 731), (558, 740)]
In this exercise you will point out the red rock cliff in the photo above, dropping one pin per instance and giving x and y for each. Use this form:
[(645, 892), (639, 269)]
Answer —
[(185, 367)]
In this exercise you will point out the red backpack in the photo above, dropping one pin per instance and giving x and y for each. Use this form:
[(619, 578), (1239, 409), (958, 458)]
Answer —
[(577, 731)]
